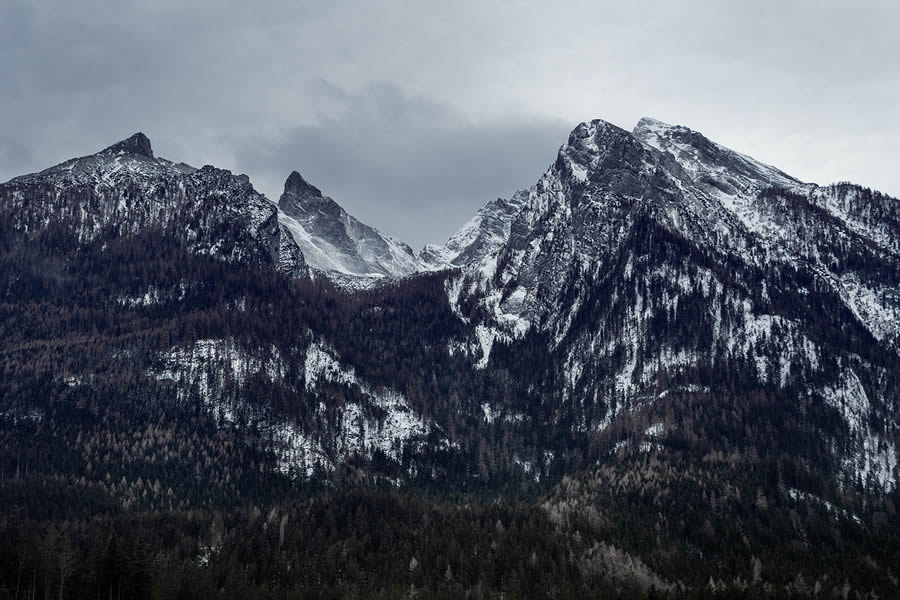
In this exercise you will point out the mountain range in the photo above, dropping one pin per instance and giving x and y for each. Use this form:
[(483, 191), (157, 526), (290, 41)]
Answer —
[(678, 363)]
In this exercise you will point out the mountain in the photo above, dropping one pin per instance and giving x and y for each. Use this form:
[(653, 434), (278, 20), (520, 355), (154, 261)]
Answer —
[(334, 241), (659, 256), (124, 190), (666, 369)]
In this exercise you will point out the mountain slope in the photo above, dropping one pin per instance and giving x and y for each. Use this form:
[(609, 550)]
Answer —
[(334, 241)]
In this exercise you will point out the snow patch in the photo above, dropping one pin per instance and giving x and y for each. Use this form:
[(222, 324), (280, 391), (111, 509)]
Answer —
[(871, 458), (363, 432)]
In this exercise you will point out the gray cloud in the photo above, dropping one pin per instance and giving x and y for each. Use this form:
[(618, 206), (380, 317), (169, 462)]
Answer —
[(412, 115), (14, 156)]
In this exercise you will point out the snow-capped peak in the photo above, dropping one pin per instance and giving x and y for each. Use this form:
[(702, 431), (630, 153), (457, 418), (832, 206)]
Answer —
[(334, 241)]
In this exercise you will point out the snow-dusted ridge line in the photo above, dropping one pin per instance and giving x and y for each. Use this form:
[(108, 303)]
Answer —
[(683, 143), (127, 190)]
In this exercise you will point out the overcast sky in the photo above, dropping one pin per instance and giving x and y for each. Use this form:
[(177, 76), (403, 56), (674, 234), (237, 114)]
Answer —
[(413, 114)]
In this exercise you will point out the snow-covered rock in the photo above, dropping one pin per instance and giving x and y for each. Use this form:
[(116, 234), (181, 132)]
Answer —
[(334, 241), (481, 238)]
